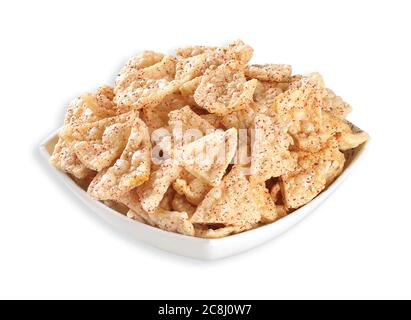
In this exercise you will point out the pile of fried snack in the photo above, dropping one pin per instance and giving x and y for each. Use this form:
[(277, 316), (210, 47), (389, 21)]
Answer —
[(107, 140)]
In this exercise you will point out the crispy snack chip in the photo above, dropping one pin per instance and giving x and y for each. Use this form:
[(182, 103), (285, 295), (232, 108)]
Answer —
[(232, 203), (225, 89), (179, 203), (265, 202), (173, 221), (269, 72), (100, 154), (264, 97), (154, 189), (194, 189), (157, 117), (188, 89), (91, 107), (270, 153), (189, 120), (129, 171), (65, 159), (314, 172), (208, 158), (147, 87)]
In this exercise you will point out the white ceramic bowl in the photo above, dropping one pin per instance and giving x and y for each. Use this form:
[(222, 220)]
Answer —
[(206, 249)]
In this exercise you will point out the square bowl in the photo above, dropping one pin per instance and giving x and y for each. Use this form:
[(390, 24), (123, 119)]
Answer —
[(204, 249)]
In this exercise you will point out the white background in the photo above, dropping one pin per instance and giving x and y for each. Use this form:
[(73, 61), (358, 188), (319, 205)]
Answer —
[(357, 245)]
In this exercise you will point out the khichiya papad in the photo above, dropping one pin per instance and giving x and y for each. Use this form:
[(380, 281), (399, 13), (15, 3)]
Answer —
[(204, 143)]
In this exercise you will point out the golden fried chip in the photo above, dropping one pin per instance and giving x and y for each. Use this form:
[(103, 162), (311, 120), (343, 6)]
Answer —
[(179, 203), (269, 72), (236, 50), (152, 192), (264, 97), (314, 172), (129, 171), (208, 158), (188, 119), (351, 140), (100, 154), (232, 203), (225, 89), (194, 189), (101, 102), (79, 111), (335, 104), (241, 119), (65, 159), (189, 68), (270, 151), (143, 60), (147, 87), (193, 51), (166, 202), (173, 221), (188, 89), (90, 131), (265, 202), (157, 117), (300, 106)]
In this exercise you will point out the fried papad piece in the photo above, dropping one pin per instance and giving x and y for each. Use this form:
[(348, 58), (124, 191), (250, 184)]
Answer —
[(270, 150), (180, 203), (241, 119), (157, 117), (101, 102), (129, 72), (232, 203), (147, 87), (347, 137), (186, 119), (301, 109), (264, 96), (335, 104), (173, 221), (224, 89), (265, 202), (192, 67), (269, 72), (65, 159), (89, 131), (192, 51), (209, 157), (91, 107), (99, 144), (300, 106), (129, 171), (331, 102), (152, 192), (166, 202), (314, 172), (188, 89), (236, 50), (192, 188)]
